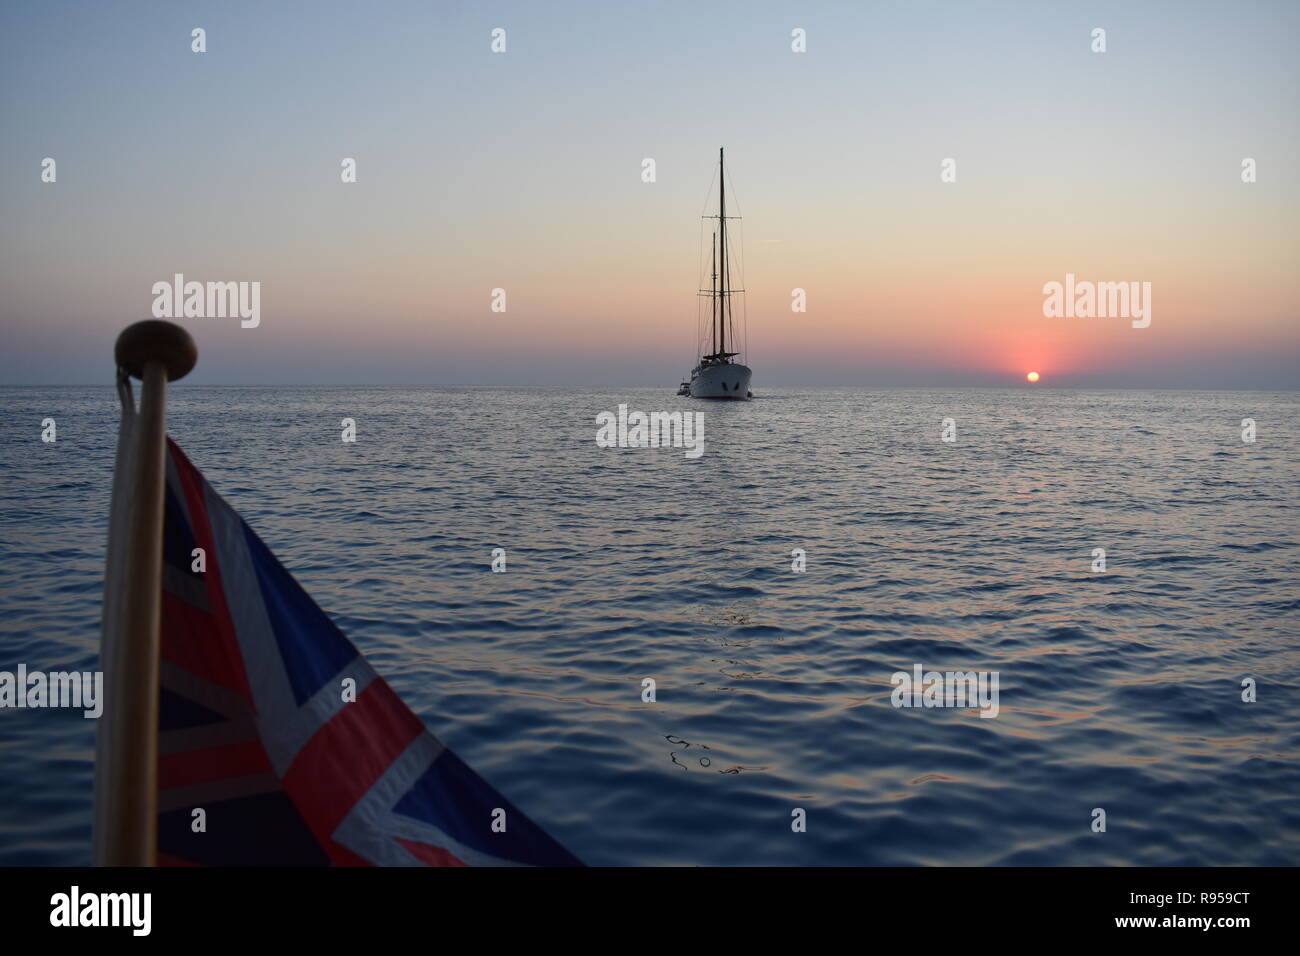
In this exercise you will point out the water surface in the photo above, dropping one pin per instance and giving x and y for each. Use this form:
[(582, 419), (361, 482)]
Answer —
[(1119, 690)]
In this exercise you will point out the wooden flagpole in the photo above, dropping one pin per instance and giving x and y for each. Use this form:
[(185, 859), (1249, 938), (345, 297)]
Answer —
[(126, 751)]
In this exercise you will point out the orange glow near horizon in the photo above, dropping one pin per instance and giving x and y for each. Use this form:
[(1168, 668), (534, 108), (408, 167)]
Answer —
[(1032, 376)]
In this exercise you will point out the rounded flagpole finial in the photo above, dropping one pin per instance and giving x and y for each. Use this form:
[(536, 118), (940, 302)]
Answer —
[(156, 340)]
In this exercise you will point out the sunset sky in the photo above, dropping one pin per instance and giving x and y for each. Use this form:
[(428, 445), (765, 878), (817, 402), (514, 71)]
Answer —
[(522, 170)]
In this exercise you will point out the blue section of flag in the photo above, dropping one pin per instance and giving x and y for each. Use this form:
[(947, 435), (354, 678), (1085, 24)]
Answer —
[(263, 829), (178, 539), (177, 713), (314, 650), (453, 798)]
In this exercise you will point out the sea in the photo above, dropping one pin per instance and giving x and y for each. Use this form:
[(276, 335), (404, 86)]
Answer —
[(1125, 561)]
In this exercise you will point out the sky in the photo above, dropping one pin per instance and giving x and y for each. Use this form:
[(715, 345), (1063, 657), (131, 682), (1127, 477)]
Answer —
[(522, 171)]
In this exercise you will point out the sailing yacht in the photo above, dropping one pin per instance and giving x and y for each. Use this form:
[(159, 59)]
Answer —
[(716, 375)]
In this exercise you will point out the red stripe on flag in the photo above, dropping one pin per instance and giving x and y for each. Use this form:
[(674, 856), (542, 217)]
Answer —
[(191, 767), (192, 641), (166, 859), (192, 484), (430, 855), (345, 758)]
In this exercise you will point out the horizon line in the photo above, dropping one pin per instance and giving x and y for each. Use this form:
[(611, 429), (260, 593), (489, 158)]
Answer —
[(1024, 386)]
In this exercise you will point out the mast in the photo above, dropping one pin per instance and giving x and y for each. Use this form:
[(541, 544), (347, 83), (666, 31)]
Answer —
[(722, 218), (720, 291), (714, 298)]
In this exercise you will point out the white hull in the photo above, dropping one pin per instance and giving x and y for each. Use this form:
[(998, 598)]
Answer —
[(721, 381)]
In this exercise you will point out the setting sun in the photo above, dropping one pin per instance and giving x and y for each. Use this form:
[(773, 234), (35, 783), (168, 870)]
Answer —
[(1032, 376)]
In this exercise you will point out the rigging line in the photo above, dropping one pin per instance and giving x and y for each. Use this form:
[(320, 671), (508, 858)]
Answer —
[(703, 272), (737, 256), (744, 300), (740, 254), (740, 258), (744, 304), (699, 261), (701, 323), (707, 196)]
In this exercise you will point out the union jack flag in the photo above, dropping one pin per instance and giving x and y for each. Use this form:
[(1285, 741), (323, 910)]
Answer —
[(255, 728)]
